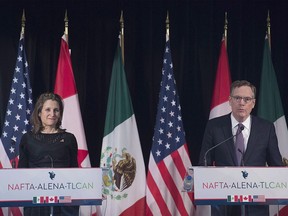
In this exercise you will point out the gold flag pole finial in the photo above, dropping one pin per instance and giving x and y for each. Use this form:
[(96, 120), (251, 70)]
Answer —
[(66, 26), (269, 29), (225, 28), (23, 23), (167, 26), (122, 35)]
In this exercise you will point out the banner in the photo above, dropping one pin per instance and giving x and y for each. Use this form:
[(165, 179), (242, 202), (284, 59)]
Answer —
[(236, 185), (50, 186)]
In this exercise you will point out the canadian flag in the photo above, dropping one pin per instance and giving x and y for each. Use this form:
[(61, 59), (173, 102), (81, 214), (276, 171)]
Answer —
[(65, 86), (246, 198), (220, 102), (51, 199)]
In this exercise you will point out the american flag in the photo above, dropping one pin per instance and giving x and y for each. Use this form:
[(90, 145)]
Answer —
[(259, 198), (18, 113), (169, 157), (65, 199)]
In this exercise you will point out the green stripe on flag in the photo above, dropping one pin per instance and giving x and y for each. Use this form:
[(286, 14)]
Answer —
[(269, 103), (119, 107)]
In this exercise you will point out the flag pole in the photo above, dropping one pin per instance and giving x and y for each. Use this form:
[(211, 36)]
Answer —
[(23, 23), (66, 26), (225, 29), (122, 35), (269, 30), (167, 26)]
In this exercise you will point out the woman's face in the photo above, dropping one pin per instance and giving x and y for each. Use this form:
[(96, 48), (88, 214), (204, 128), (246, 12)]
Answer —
[(50, 114)]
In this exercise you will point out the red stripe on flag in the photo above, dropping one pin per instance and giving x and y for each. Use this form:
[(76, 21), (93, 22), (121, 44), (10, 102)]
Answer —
[(153, 187), (16, 211), (173, 189), (136, 209), (283, 211), (179, 163), (186, 148), (65, 73), (82, 154), (148, 211), (223, 80)]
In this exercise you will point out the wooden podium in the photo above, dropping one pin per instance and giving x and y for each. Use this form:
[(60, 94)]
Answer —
[(240, 185), (50, 187)]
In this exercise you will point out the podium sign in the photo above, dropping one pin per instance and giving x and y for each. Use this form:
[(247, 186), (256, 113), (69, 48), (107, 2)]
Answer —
[(50, 186), (240, 185)]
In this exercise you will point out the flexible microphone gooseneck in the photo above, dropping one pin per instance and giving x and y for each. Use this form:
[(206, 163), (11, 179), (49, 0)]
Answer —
[(52, 166), (51, 160), (13, 144), (213, 147)]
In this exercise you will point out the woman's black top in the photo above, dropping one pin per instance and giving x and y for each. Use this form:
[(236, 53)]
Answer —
[(48, 150), (57, 150)]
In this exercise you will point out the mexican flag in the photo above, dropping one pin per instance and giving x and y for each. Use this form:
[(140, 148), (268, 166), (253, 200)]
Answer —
[(124, 176), (270, 108)]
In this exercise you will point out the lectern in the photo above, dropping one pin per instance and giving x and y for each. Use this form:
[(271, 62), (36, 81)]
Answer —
[(240, 185), (50, 187)]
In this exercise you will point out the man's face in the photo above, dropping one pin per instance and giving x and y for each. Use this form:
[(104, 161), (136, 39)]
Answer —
[(242, 102)]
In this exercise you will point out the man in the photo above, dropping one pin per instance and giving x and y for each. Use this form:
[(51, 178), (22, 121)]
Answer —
[(260, 142)]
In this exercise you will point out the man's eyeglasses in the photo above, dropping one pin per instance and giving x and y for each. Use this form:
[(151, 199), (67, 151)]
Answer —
[(238, 99)]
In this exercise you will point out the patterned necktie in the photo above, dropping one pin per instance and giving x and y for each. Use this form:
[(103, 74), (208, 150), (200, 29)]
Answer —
[(239, 144)]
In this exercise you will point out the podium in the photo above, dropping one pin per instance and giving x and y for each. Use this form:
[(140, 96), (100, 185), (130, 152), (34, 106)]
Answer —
[(50, 187), (240, 185)]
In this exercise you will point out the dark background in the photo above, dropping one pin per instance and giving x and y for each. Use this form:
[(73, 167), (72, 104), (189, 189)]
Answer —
[(196, 29)]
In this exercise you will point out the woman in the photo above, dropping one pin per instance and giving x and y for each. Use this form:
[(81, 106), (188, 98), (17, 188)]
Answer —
[(47, 145)]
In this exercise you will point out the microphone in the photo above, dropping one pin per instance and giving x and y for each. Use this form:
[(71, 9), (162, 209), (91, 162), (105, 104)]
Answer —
[(242, 160), (51, 160), (215, 146), (52, 165), (13, 163)]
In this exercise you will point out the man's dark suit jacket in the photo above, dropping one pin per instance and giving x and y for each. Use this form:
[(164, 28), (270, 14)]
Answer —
[(262, 148)]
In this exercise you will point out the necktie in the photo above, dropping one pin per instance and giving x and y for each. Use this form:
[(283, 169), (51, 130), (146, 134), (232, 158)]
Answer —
[(239, 144)]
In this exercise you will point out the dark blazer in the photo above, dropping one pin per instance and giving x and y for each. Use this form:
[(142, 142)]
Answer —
[(262, 148), (262, 145)]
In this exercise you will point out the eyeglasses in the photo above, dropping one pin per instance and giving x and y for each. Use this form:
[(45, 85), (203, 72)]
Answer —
[(238, 99)]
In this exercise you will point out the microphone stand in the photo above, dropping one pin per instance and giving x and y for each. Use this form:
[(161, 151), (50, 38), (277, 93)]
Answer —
[(213, 147), (243, 207), (210, 149), (52, 166), (205, 156)]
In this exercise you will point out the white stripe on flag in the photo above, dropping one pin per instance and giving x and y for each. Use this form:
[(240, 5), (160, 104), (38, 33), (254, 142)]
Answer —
[(3, 157), (282, 135), (72, 121), (219, 110)]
